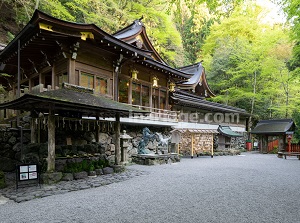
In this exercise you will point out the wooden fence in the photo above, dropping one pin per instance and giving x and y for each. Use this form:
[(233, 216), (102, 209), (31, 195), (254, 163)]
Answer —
[(272, 145), (294, 148)]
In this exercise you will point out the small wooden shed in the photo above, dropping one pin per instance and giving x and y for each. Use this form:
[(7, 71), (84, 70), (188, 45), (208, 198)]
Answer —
[(267, 130)]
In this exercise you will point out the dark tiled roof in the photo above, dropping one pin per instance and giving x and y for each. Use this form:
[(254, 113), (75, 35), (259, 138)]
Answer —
[(226, 130), (198, 102), (195, 72), (133, 29), (277, 126), (66, 99)]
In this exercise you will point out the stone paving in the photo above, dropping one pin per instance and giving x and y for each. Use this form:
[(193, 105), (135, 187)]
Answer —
[(26, 193)]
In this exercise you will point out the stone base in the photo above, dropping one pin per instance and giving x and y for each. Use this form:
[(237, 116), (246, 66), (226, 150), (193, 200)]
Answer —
[(154, 159), (51, 178), (119, 168)]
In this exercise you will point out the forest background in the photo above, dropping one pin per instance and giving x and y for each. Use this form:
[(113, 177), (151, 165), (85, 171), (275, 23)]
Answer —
[(251, 59)]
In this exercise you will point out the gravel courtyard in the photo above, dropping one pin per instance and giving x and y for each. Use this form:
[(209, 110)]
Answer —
[(247, 188)]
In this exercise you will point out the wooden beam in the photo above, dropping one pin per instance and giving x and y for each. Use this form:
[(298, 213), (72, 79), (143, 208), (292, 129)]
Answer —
[(51, 142)]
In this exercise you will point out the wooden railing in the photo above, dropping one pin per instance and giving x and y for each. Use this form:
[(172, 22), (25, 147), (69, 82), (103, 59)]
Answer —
[(294, 148), (157, 114)]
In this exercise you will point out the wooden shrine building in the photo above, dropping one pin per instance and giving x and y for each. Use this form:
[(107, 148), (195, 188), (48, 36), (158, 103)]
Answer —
[(268, 130), (69, 72)]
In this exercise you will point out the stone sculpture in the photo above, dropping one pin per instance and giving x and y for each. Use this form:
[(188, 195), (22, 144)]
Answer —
[(163, 141)]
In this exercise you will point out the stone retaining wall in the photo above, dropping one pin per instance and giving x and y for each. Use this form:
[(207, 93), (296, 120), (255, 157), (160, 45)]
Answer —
[(82, 144)]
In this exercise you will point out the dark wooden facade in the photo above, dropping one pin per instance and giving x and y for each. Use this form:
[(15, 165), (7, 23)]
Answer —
[(123, 67)]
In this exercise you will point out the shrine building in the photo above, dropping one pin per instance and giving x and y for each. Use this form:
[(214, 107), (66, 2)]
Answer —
[(73, 76)]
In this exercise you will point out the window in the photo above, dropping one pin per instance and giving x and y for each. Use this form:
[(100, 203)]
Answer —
[(136, 94), (87, 80), (123, 91), (145, 96), (162, 99), (101, 85), (155, 98)]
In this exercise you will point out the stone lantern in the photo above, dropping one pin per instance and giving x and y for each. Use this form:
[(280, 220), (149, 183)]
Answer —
[(125, 139)]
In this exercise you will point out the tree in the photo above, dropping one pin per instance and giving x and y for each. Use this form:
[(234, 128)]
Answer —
[(291, 8), (246, 63)]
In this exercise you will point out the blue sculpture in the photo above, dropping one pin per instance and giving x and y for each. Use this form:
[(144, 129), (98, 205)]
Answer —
[(147, 135)]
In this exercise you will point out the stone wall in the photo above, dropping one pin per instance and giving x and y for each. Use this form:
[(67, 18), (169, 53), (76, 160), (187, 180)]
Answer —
[(68, 144), (10, 148)]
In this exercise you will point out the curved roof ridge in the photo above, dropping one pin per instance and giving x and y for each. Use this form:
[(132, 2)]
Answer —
[(128, 31), (198, 77), (195, 70)]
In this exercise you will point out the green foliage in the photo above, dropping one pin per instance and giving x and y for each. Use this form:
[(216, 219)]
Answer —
[(2, 180), (2, 90), (247, 65), (296, 119), (10, 36), (85, 165)]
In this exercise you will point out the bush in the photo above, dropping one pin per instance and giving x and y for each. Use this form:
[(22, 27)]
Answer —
[(2, 180)]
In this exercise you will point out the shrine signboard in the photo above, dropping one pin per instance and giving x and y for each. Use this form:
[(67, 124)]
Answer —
[(27, 173)]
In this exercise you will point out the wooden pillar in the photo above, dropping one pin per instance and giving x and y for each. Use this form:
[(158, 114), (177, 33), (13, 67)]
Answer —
[(264, 144), (32, 131), (51, 142), (39, 132), (71, 71), (53, 77), (130, 92), (281, 144), (97, 129), (192, 147), (117, 140), (212, 145), (116, 84)]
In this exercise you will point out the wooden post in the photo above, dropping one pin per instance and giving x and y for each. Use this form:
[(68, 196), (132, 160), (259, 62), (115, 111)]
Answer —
[(34, 118), (212, 145), (116, 82), (53, 77), (39, 132), (97, 129), (117, 140), (192, 152), (32, 131), (51, 142), (264, 144), (71, 71)]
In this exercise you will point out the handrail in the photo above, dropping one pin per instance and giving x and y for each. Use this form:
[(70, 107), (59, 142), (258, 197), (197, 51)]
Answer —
[(157, 114)]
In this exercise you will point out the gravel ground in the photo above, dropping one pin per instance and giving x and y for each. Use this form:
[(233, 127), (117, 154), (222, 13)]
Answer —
[(247, 188)]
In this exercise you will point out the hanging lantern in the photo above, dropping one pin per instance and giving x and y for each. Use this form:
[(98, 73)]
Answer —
[(134, 74), (172, 87), (155, 81)]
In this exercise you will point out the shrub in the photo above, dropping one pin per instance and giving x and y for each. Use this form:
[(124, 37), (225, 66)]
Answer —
[(2, 180)]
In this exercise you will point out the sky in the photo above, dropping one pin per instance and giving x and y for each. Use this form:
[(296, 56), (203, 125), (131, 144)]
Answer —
[(273, 12)]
